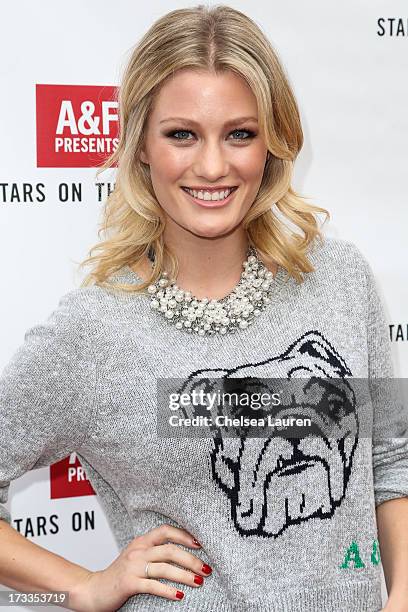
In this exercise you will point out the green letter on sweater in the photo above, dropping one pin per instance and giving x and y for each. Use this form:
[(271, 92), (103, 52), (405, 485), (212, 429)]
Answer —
[(352, 554), (375, 553)]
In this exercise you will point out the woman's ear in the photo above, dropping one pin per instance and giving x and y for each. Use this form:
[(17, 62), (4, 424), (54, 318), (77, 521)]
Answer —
[(143, 157)]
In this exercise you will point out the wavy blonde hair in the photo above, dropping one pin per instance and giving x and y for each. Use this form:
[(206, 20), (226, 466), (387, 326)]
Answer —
[(216, 39)]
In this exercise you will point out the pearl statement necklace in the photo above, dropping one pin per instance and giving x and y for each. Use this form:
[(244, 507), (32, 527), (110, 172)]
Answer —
[(235, 311)]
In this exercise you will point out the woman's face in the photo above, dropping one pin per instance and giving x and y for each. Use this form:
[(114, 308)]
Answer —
[(209, 144)]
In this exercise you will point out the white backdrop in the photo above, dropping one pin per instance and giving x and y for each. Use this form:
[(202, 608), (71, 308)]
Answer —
[(347, 63)]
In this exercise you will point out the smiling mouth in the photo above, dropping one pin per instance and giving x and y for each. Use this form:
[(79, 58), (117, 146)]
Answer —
[(211, 203)]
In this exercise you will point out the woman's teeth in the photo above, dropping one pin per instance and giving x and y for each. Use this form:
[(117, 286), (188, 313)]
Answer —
[(206, 195)]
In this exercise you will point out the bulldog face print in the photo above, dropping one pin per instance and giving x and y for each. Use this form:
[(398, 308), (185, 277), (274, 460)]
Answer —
[(275, 482)]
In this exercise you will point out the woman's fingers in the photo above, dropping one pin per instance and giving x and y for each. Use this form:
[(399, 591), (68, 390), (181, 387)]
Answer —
[(159, 547), (172, 553), (158, 569), (154, 587), (165, 533), (108, 589)]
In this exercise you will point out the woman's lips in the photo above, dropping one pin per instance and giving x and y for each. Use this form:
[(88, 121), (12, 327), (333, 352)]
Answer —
[(211, 203)]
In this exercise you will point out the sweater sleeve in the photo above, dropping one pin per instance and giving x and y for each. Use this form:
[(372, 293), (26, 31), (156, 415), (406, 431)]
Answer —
[(46, 394), (390, 412)]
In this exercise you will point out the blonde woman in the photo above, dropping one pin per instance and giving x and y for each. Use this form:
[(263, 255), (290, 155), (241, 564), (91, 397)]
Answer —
[(211, 264)]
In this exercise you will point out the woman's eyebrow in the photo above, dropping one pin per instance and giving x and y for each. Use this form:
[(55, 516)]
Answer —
[(229, 122)]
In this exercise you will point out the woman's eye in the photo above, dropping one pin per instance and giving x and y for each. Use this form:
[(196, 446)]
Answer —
[(249, 132), (174, 133)]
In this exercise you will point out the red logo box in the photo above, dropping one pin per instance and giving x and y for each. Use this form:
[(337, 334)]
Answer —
[(77, 125), (68, 479)]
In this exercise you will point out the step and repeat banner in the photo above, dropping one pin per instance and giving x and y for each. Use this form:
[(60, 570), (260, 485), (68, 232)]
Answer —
[(61, 65)]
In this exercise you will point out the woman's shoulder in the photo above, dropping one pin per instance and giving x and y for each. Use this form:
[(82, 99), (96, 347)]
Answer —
[(78, 302), (337, 256), (94, 303), (88, 297)]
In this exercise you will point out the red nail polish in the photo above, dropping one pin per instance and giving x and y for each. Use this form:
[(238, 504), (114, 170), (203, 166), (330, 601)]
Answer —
[(198, 579), (179, 594), (196, 542), (206, 569)]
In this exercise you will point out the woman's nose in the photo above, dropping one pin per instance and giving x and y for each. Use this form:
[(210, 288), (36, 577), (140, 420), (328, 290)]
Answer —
[(211, 162)]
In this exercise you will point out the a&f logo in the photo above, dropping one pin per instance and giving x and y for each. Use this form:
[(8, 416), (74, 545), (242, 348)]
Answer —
[(77, 125)]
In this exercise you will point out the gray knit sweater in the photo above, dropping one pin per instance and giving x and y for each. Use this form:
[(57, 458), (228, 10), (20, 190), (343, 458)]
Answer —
[(85, 381)]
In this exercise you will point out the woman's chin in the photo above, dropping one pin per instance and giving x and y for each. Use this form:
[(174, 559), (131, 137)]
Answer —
[(213, 230)]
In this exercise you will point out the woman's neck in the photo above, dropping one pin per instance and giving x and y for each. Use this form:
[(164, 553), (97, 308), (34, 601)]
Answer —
[(213, 278)]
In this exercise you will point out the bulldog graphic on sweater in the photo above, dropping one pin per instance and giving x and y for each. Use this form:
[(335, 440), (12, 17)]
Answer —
[(275, 482)]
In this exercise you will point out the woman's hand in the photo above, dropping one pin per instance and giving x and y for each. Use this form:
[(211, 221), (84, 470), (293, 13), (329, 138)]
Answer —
[(106, 590), (396, 603), (395, 607)]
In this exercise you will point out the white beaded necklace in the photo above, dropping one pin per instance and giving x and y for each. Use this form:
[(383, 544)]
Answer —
[(234, 311)]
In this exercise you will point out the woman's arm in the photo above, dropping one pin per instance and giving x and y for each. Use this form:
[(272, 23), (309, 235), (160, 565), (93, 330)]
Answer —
[(390, 451), (46, 401), (392, 522), (25, 566)]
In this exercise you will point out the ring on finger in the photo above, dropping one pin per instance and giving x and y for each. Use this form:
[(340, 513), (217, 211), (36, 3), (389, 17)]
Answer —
[(147, 569)]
